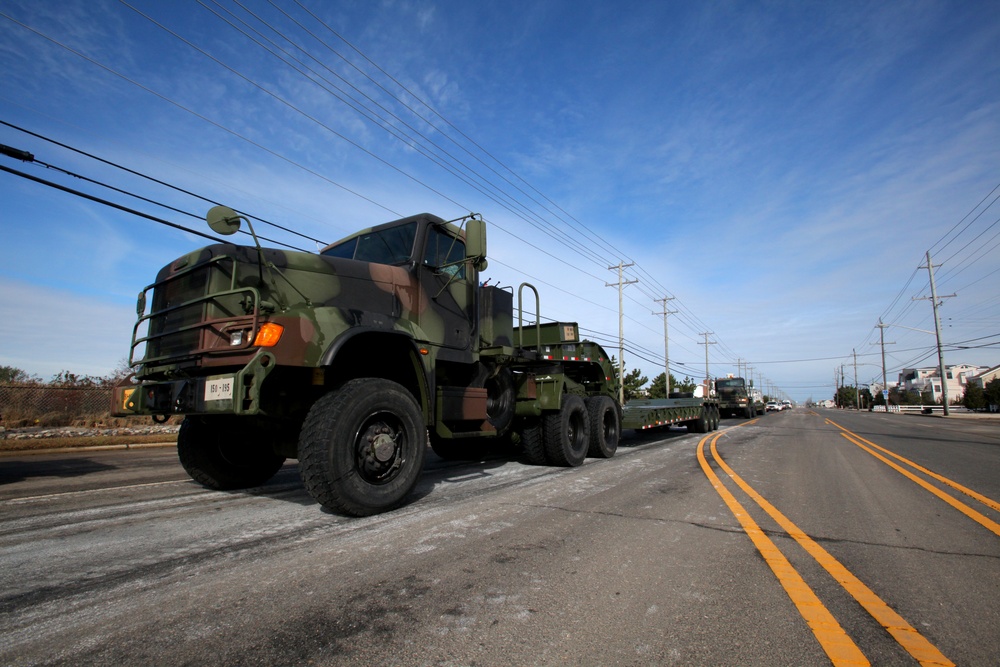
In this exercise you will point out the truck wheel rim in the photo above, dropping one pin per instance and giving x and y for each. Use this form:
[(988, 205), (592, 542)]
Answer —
[(380, 448)]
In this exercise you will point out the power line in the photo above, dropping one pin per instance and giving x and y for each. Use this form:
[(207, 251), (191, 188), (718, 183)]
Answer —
[(146, 177), (686, 317), (111, 204)]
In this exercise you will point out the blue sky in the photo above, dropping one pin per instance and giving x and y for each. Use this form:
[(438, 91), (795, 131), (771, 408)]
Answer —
[(779, 168)]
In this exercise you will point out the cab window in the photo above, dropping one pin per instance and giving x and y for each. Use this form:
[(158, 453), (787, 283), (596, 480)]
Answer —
[(445, 252)]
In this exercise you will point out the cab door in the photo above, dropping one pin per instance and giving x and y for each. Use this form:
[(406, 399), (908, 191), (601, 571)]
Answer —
[(448, 290)]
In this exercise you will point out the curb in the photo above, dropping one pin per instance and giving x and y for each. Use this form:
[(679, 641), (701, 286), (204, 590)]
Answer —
[(10, 453)]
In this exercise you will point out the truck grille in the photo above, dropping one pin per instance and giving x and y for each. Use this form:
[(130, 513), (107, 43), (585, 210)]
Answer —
[(195, 312)]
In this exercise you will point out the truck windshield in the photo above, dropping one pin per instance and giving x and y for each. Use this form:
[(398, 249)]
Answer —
[(386, 246), (728, 384)]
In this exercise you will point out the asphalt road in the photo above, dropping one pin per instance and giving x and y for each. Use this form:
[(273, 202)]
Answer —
[(657, 556)]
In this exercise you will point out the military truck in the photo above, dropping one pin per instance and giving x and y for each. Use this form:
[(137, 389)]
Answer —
[(757, 396), (735, 399), (352, 359)]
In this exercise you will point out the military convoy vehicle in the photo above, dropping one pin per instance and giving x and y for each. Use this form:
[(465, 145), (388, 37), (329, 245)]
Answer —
[(757, 396), (737, 399), (355, 358)]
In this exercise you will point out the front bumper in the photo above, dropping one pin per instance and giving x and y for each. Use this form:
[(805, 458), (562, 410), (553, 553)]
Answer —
[(233, 393)]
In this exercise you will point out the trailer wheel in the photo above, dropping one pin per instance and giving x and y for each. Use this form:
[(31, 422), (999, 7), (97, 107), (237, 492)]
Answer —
[(362, 446), (605, 427), (701, 424), (224, 453), (565, 433), (532, 444)]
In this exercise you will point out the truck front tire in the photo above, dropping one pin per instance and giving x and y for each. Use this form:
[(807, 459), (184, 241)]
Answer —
[(362, 446), (225, 453)]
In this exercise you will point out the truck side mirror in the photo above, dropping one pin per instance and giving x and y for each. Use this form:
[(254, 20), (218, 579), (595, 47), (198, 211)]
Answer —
[(475, 242), (223, 220)]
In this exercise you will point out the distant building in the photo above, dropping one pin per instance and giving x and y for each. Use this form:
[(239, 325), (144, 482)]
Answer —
[(922, 380), (985, 377)]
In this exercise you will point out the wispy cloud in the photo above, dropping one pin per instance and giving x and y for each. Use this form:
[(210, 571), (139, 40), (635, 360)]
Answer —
[(779, 169)]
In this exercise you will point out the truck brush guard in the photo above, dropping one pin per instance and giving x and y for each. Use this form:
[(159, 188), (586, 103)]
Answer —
[(196, 311)]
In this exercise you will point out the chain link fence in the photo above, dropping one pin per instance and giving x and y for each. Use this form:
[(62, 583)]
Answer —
[(50, 405)]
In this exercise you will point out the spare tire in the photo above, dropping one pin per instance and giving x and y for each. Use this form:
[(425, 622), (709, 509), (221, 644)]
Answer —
[(500, 400)]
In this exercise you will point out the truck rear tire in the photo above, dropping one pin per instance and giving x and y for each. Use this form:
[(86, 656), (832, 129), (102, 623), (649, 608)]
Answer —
[(225, 453), (605, 427), (532, 443), (362, 446), (565, 433)]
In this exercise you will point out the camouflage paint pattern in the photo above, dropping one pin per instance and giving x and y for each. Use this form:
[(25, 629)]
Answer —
[(432, 328), (344, 318)]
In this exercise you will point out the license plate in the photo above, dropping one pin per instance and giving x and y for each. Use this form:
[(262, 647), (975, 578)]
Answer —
[(219, 389)]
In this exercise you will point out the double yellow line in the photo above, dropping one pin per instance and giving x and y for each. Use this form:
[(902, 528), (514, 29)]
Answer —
[(968, 511), (839, 647)]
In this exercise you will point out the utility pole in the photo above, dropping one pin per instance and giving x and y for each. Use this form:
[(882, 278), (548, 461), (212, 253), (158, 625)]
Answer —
[(841, 385), (857, 394), (621, 327), (666, 340), (937, 330), (882, 343), (708, 378)]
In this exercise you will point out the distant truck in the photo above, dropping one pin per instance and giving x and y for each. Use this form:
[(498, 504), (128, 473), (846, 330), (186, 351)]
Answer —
[(735, 398), (757, 396), (353, 359)]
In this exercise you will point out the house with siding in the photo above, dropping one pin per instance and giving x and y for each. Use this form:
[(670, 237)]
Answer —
[(929, 379)]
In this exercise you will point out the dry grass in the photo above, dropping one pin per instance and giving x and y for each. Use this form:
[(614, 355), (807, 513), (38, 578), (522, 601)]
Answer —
[(34, 444)]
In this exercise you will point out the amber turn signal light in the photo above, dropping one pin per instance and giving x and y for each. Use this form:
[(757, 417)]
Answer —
[(268, 335)]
